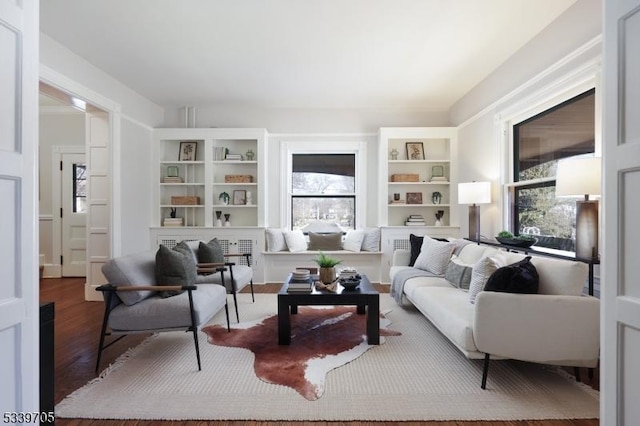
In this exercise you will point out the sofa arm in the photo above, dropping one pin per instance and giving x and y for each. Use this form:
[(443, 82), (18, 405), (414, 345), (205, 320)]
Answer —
[(548, 329), (401, 257)]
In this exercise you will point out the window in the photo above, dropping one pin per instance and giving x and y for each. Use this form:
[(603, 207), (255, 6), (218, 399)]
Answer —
[(323, 189), (79, 188), (566, 130)]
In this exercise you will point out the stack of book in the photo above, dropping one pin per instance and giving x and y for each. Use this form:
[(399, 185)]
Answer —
[(415, 220), (219, 153), (233, 157), (300, 281), (438, 179), (172, 179), (172, 221)]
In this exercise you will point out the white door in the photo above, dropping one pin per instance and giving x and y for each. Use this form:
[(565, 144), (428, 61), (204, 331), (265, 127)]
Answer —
[(74, 215), (19, 311), (620, 381)]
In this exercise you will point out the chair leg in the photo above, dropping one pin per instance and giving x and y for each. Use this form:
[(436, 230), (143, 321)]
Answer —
[(194, 328), (235, 302), (226, 311), (103, 331), (253, 299), (485, 371)]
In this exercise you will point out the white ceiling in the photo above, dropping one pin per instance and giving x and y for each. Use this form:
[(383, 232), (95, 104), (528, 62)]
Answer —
[(298, 53)]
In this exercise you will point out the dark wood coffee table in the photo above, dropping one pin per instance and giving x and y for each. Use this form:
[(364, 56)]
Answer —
[(365, 297)]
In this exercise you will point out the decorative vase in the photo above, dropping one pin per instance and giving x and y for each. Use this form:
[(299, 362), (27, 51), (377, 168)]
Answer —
[(250, 155), (394, 154), (224, 198), (327, 275), (438, 222), (249, 198), (436, 197), (227, 221), (218, 218)]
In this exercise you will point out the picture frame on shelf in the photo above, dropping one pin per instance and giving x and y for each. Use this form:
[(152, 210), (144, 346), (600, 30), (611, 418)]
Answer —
[(239, 197), (437, 171), (414, 197), (188, 151), (415, 150)]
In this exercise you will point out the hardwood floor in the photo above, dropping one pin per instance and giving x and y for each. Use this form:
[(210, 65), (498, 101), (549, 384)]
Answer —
[(77, 329)]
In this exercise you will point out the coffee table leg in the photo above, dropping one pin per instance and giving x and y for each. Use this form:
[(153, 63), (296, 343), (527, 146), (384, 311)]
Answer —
[(361, 309), (373, 321), (284, 323)]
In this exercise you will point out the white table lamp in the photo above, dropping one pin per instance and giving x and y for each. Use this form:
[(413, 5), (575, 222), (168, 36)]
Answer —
[(474, 193), (581, 177)]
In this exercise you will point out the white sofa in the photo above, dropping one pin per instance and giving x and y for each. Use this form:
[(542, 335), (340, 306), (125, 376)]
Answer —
[(557, 326)]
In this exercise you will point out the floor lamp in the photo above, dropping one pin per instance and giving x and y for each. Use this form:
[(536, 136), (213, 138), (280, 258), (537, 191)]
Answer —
[(474, 193), (581, 177)]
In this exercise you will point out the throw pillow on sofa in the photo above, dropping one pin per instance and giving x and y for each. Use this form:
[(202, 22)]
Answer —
[(458, 274), (275, 239), (328, 242), (416, 245), (210, 252), (295, 240), (481, 272), (371, 240), (174, 267), (434, 255), (353, 240), (520, 277)]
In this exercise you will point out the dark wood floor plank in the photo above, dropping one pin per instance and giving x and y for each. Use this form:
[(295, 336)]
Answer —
[(77, 329)]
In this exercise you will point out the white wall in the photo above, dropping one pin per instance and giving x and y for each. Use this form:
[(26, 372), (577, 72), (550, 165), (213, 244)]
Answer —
[(136, 115), (548, 63), (56, 128)]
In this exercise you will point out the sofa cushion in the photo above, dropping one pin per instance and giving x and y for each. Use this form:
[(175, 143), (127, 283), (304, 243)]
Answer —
[(210, 252), (174, 267), (158, 313), (353, 240), (458, 274), (275, 239), (137, 269), (295, 240), (449, 310), (434, 255), (561, 277), (520, 277), (471, 253), (481, 272), (371, 240), (412, 284), (331, 241)]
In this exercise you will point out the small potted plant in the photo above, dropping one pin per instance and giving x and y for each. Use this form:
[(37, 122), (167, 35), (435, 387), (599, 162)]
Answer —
[(327, 267)]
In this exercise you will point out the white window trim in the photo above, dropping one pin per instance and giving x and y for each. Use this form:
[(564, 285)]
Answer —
[(567, 88), (289, 148)]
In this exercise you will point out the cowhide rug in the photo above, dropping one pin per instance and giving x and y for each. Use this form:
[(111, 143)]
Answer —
[(321, 339)]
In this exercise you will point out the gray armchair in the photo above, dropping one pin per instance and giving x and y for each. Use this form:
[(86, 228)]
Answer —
[(136, 303)]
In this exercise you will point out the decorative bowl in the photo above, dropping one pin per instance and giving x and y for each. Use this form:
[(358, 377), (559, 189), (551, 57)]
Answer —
[(517, 242), (350, 283)]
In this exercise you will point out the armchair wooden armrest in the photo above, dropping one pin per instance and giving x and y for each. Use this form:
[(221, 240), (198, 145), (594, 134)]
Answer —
[(247, 256), (113, 287)]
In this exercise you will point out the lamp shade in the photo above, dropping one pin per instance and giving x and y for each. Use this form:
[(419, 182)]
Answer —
[(474, 193), (578, 176)]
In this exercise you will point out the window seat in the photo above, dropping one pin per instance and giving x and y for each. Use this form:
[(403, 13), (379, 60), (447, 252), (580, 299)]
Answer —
[(277, 264)]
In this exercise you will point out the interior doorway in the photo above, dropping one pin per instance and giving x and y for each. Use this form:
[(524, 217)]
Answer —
[(73, 182)]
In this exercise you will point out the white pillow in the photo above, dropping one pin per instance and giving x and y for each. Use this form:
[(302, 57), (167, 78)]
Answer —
[(481, 272), (353, 240), (371, 241), (434, 255), (275, 240), (295, 240)]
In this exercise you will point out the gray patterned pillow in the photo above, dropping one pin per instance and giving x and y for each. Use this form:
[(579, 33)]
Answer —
[(210, 252), (458, 274), (481, 272), (174, 267), (434, 255)]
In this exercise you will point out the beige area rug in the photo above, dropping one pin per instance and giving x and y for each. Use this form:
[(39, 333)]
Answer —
[(417, 375)]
